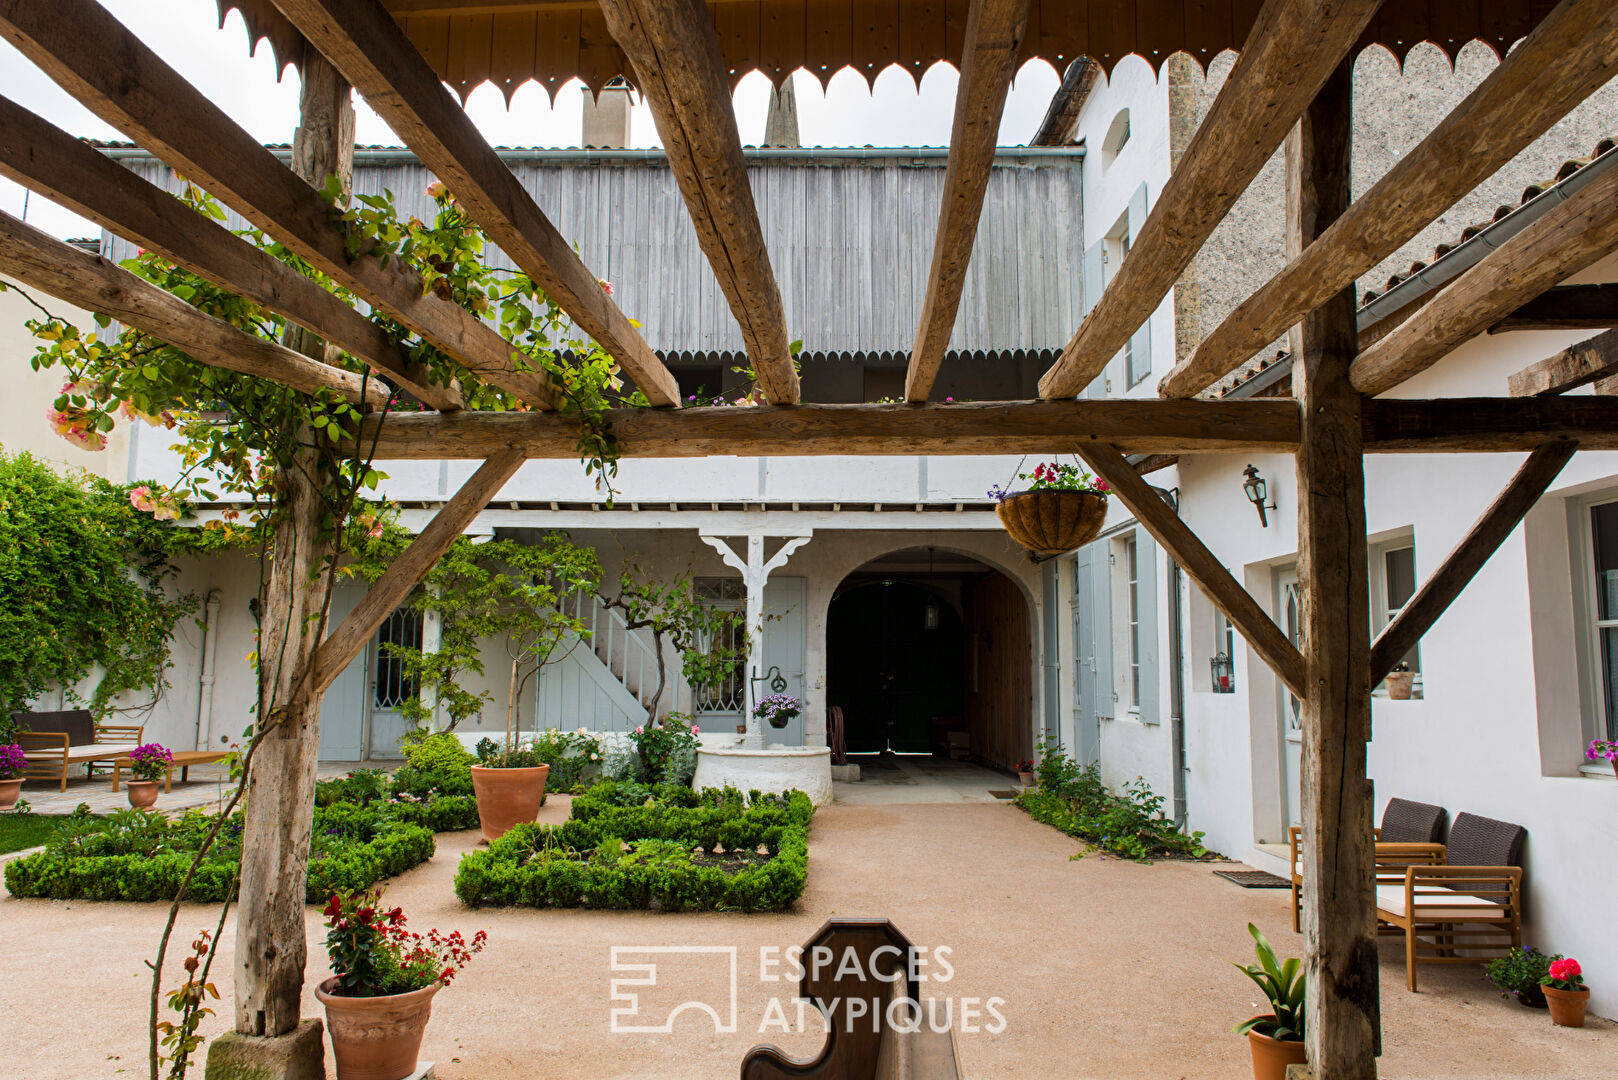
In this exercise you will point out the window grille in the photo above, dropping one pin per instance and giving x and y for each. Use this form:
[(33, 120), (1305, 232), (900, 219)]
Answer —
[(393, 687)]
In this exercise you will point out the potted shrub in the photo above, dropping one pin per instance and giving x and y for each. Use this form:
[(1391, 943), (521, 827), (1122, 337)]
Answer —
[(1060, 508), (381, 997), (1400, 682), (149, 763), (1565, 992), (509, 785), (1025, 773), (1518, 973), (778, 710), (1275, 1038), (1604, 749), (12, 763)]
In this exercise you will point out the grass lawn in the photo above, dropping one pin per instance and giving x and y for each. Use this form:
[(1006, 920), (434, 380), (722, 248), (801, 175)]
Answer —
[(18, 831)]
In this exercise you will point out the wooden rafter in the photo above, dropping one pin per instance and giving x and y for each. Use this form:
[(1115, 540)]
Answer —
[(1061, 121), (1565, 307), (1140, 426), (1488, 424), (1589, 360), (994, 34), (1567, 238), (675, 52), (405, 572), (1462, 564), (111, 72), (1292, 48), (73, 174), (93, 283), (1568, 56), (1226, 593), (365, 43)]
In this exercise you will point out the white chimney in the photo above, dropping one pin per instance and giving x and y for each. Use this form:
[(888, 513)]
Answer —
[(606, 118)]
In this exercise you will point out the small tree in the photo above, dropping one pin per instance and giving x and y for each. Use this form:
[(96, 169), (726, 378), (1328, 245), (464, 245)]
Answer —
[(701, 633)]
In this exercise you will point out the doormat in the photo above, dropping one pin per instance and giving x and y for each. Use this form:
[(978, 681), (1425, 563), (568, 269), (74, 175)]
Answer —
[(1004, 793), (1254, 879)]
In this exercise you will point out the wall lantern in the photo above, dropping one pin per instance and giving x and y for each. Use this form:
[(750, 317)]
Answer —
[(929, 618), (1224, 673), (1258, 490)]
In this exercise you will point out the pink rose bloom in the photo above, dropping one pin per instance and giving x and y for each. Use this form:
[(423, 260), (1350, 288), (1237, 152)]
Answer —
[(141, 498), (695, 730), (1565, 970), (639, 730), (606, 286), (435, 190)]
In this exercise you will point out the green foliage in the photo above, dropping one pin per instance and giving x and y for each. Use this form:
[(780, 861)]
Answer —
[(141, 855), (81, 590), (21, 829), (1073, 799), (1283, 985), (711, 641), (667, 748), (629, 846), (433, 788), (570, 754), (181, 1040), (1519, 972)]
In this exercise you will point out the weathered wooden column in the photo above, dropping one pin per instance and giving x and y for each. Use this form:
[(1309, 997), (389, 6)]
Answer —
[(270, 935), (1338, 914)]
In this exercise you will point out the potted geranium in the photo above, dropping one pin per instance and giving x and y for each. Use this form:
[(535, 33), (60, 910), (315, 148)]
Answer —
[(1275, 1038), (1025, 772), (12, 763), (1401, 681), (1061, 507), (381, 997), (778, 710), (1565, 992), (1518, 974), (509, 785), (149, 763), (1603, 749)]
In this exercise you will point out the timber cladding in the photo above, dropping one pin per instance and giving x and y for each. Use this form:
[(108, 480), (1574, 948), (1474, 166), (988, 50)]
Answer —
[(999, 670)]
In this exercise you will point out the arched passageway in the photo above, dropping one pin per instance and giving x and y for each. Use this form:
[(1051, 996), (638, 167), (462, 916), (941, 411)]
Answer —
[(930, 652)]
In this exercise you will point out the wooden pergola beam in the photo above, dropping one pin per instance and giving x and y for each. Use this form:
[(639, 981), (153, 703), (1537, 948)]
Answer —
[(1184, 547), (111, 72), (369, 47), (1589, 360), (1565, 307), (1292, 48), (1567, 238), (74, 174), (994, 34), (674, 49), (1137, 425), (405, 572), (93, 283), (1487, 425), (1061, 121), (1462, 564), (1570, 54)]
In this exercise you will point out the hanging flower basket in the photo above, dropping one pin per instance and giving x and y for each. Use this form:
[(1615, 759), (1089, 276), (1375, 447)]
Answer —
[(1052, 522)]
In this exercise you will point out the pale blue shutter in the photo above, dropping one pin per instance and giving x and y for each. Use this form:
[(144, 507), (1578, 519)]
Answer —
[(1146, 586), (1094, 282), (1101, 595), (1140, 346)]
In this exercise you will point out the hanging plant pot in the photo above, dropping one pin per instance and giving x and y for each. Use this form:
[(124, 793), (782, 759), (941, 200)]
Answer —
[(1052, 521)]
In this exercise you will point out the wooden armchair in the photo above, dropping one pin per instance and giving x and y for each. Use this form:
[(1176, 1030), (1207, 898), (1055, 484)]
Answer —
[(1473, 902), (1409, 836), (53, 741)]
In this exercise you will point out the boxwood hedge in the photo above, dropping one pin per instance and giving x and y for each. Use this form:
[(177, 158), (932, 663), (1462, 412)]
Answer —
[(140, 855), (629, 846)]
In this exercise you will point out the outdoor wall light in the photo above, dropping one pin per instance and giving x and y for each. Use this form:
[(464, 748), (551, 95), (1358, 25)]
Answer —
[(1257, 492), (929, 618), (1224, 673)]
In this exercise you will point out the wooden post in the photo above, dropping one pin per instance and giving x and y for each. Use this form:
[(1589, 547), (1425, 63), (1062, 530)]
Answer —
[(271, 947), (1338, 912)]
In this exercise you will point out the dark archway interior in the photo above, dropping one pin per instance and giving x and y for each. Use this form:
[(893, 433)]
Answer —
[(929, 652)]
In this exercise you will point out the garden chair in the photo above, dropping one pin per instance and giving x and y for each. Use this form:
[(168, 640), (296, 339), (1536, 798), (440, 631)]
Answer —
[(1410, 835), (1473, 901), (51, 741)]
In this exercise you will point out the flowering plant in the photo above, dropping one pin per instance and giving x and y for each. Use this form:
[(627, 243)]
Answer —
[(374, 955), (1054, 477), (667, 747), (1603, 749), (1564, 975), (1024, 766), (150, 761), (12, 761), (778, 709)]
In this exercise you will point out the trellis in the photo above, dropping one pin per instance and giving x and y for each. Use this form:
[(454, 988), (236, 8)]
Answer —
[(1290, 85)]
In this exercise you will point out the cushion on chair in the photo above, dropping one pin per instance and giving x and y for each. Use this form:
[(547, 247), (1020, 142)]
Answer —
[(78, 723), (1481, 841), (1406, 822), (1458, 907)]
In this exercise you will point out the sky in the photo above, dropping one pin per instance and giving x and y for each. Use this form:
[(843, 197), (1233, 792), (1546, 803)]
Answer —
[(186, 34)]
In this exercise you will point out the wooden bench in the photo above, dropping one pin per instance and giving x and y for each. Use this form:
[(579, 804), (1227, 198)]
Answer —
[(51, 741), (1410, 836), (183, 760)]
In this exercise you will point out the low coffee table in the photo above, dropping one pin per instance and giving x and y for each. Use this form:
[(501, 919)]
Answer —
[(183, 760)]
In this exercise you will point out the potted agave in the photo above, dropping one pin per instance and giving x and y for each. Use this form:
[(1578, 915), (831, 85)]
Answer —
[(1061, 508), (1603, 749), (1565, 992), (12, 763), (381, 997), (509, 785), (149, 763), (1276, 1037)]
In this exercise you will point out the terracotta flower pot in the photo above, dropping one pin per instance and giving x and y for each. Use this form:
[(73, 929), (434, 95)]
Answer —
[(507, 797), (377, 1038), (1567, 1006), (142, 793), (1400, 684), (1272, 1056), (1026, 779), (1051, 522), (10, 792)]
